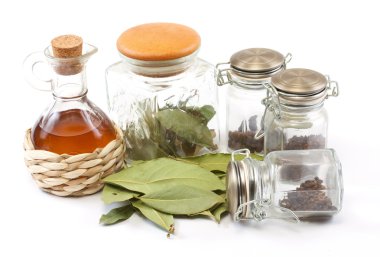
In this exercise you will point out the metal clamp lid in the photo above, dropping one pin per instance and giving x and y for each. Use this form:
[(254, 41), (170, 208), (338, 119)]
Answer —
[(257, 60), (299, 81), (251, 65)]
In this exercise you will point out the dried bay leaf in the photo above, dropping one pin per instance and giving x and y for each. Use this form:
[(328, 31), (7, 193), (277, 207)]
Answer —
[(159, 174), (172, 130), (204, 113), (171, 187), (214, 162), (186, 126), (210, 162), (181, 199), (215, 214), (219, 211), (111, 194), (117, 215), (163, 220), (219, 173), (223, 180), (143, 136), (207, 112), (206, 213)]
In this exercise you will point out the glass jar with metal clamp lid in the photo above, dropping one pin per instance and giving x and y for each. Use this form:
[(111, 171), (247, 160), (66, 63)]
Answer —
[(246, 73), (293, 185), (295, 117)]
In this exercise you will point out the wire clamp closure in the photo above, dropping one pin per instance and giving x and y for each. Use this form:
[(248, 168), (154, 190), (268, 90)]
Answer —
[(263, 209)]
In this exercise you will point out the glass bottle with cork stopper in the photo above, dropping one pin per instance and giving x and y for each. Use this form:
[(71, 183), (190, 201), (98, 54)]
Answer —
[(161, 94), (246, 74), (71, 124)]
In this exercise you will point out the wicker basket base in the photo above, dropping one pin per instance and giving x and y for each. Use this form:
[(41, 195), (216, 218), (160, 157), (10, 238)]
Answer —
[(73, 175)]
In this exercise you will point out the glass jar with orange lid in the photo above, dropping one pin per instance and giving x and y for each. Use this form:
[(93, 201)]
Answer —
[(161, 94)]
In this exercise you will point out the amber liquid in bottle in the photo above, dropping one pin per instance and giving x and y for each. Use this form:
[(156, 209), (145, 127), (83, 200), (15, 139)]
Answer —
[(72, 124), (72, 132)]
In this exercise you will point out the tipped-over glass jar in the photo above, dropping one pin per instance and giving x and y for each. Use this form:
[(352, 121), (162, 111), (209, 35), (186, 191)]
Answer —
[(295, 117), (161, 94), (294, 185), (246, 74)]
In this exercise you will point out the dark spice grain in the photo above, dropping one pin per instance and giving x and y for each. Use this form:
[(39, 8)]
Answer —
[(308, 197), (305, 142), (244, 137)]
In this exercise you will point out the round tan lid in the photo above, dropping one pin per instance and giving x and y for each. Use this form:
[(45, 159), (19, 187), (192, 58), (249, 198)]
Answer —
[(257, 60), (158, 42), (67, 46), (299, 81)]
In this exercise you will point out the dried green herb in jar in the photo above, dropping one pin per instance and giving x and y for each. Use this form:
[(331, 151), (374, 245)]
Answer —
[(170, 131)]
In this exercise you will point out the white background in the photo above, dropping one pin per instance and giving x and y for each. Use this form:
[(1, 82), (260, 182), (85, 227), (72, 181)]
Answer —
[(340, 38)]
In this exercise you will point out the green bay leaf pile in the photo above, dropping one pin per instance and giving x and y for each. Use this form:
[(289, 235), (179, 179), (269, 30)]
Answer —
[(162, 188)]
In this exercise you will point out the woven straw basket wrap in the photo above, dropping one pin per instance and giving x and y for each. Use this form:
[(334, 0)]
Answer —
[(74, 175)]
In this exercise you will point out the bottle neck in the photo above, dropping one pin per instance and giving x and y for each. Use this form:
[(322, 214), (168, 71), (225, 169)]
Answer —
[(69, 74), (70, 86)]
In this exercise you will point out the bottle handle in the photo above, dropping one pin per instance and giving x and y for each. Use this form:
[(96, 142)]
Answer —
[(32, 76)]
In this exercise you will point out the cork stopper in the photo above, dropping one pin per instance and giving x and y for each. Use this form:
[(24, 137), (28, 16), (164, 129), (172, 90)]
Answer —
[(67, 46)]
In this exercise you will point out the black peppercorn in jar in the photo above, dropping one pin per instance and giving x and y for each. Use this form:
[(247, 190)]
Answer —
[(272, 189), (246, 74), (295, 117)]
